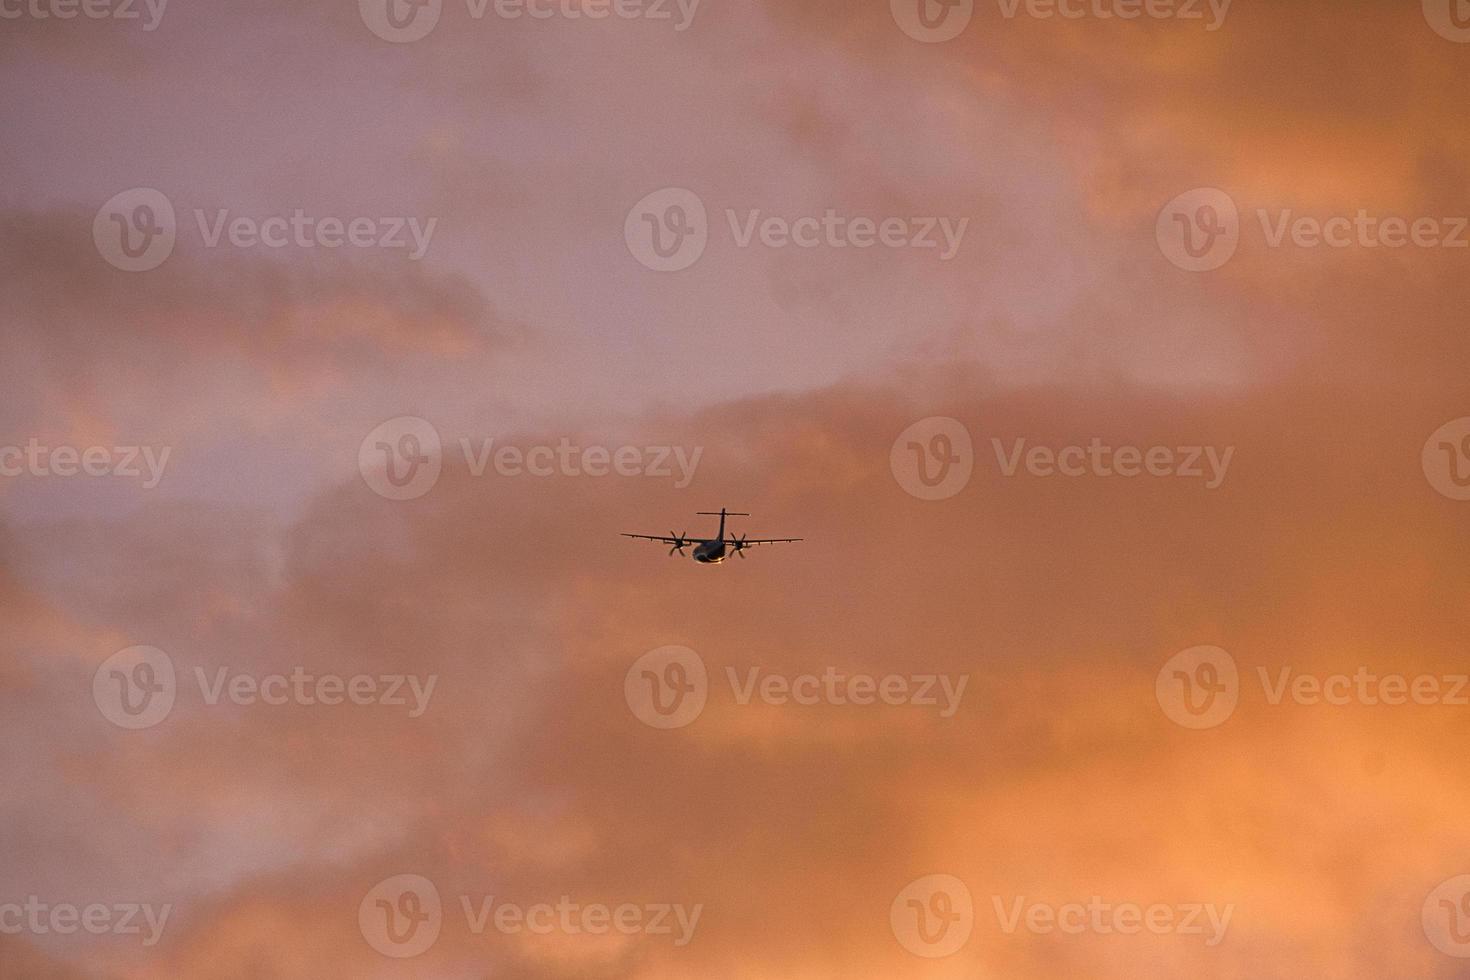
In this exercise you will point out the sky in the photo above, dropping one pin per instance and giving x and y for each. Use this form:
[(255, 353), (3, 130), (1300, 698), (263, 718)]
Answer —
[(1108, 355)]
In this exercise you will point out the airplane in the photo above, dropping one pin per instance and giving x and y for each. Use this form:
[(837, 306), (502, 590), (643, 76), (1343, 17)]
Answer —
[(712, 551)]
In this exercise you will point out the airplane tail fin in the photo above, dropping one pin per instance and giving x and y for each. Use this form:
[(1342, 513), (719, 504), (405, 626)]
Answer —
[(723, 513)]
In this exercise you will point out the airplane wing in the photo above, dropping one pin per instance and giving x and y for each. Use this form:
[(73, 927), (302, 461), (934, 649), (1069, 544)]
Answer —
[(745, 541), (667, 540)]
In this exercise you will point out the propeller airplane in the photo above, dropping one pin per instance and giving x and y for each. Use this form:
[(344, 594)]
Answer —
[(712, 551)]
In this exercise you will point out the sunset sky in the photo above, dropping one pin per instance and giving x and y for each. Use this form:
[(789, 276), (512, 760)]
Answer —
[(920, 282)]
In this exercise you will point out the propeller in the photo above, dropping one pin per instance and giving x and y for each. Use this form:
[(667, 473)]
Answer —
[(739, 544), (680, 540)]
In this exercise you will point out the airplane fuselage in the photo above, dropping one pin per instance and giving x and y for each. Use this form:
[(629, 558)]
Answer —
[(710, 553)]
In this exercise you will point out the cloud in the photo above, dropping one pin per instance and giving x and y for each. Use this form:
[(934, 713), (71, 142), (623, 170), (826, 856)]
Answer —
[(1058, 598), (529, 778)]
